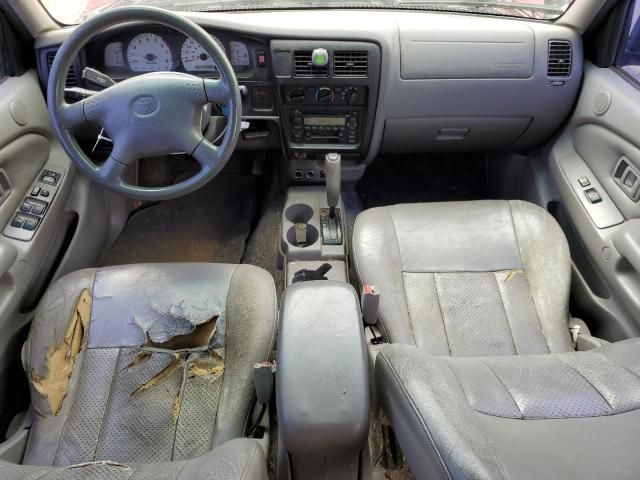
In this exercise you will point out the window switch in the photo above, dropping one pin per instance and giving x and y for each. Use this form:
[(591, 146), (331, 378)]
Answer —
[(584, 181), (593, 195), (26, 206), (38, 208), (30, 223), (18, 221)]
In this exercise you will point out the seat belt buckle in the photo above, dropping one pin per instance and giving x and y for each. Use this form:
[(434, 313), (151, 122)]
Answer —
[(575, 333), (263, 381), (369, 304)]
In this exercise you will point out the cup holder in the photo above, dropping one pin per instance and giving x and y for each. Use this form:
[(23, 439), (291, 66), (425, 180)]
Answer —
[(299, 213), (312, 236)]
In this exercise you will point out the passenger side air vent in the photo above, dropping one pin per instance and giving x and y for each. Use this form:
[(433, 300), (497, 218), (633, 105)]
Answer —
[(302, 66), (71, 81), (560, 58), (350, 64)]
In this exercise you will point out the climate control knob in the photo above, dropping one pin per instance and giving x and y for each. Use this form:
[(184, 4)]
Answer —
[(324, 95)]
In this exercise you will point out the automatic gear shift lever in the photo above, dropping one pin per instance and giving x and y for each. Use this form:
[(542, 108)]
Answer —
[(333, 169), (330, 222)]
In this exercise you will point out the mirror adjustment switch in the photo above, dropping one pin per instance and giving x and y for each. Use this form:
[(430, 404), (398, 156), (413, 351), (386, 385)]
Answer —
[(593, 195)]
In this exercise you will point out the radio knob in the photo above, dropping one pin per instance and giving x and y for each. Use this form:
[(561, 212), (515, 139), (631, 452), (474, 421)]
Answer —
[(297, 121), (324, 95)]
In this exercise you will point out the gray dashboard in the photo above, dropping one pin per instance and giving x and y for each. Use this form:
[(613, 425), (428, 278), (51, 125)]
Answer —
[(447, 82)]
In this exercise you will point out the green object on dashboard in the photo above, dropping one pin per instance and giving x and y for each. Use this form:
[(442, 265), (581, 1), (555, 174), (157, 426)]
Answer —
[(319, 57)]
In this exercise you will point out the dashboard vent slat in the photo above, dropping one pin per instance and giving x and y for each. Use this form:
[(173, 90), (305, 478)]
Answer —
[(350, 64), (560, 58), (71, 80), (302, 66)]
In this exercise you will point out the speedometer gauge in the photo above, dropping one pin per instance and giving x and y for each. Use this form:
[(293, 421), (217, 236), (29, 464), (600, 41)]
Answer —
[(196, 59), (148, 52)]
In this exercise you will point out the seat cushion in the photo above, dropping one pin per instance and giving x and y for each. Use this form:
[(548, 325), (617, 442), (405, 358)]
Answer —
[(240, 459), (557, 416), (467, 278), (159, 360)]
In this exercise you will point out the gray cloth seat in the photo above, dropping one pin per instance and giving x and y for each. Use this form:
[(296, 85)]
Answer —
[(160, 372), (572, 415), (467, 278)]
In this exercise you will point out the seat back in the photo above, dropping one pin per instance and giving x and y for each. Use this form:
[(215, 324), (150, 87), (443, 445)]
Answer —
[(467, 278)]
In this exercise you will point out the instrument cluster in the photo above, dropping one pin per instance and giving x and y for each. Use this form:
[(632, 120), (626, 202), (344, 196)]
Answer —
[(132, 53)]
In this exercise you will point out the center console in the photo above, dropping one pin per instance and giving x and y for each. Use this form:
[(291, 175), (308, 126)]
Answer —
[(323, 385), (328, 93)]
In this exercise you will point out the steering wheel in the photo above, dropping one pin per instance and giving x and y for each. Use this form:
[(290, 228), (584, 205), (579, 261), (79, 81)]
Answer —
[(147, 115)]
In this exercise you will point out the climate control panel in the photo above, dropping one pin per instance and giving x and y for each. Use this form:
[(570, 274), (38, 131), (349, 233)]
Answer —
[(355, 95)]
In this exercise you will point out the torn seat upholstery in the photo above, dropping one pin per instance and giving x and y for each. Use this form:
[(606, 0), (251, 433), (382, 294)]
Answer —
[(163, 373)]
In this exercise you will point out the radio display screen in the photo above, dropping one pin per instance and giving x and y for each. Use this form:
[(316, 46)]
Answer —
[(324, 121)]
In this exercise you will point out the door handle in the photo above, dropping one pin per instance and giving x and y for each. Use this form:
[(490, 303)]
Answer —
[(626, 241), (8, 255)]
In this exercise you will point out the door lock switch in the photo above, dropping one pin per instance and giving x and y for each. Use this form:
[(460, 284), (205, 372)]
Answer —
[(584, 182)]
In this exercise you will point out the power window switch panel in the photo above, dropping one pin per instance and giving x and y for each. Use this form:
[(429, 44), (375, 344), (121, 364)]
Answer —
[(584, 181), (593, 195)]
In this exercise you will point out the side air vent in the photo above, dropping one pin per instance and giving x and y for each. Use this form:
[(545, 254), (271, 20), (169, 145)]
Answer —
[(560, 58), (350, 64), (302, 66), (71, 81)]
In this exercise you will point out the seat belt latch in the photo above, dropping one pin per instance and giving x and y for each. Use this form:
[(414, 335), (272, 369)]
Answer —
[(369, 304), (263, 383)]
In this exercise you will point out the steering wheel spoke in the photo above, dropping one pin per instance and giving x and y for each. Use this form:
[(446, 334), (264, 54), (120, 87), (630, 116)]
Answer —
[(208, 156), (72, 114), (113, 170), (217, 91)]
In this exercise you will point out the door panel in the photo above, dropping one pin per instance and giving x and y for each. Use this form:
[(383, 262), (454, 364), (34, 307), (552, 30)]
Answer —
[(601, 147), (26, 147)]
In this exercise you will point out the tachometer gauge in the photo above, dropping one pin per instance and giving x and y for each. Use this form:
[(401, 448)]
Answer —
[(148, 52), (196, 59), (239, 55)]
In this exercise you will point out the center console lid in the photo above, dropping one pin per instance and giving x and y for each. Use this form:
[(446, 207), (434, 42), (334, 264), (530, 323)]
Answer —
[(322, 382)]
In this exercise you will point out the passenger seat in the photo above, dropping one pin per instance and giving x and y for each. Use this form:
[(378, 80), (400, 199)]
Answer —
[(489, 281)]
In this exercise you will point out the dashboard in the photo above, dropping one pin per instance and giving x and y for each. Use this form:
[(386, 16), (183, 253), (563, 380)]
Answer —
[(394, 81), (147, 49)]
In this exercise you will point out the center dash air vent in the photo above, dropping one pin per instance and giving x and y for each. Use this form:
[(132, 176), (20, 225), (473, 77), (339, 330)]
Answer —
[(350, 64), (303, 67), (71, 80), (560, 58)]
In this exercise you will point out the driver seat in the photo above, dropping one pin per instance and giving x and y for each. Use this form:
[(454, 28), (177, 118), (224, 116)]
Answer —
[(145, 371)]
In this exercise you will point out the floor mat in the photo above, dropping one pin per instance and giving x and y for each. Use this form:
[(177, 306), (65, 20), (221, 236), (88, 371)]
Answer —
[(437, 178), (211, 224), (262, 248)]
